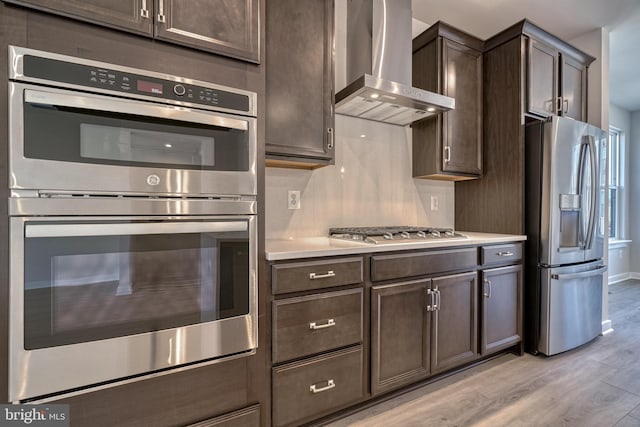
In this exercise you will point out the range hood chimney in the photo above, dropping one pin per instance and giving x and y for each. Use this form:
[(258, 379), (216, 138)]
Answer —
[(379, 66)]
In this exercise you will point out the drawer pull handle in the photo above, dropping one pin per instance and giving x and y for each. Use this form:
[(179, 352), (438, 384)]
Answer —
[(314, 326), (329, 386), (315, 276), (507, 253)]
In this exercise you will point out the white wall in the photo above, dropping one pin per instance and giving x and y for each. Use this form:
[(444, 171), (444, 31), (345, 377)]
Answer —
[(370, 184), (619, 253), (634, 193)]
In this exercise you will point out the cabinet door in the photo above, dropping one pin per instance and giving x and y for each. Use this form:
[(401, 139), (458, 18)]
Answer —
[(227, 27), (299, 83), (246, 417), (454, 327), (574, 89), (462, 127), (542, 89), (399, 335), (501, 308), (130, 15)]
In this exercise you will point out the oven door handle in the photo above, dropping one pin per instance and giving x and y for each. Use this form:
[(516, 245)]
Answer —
[(138, 108), (81, 230)]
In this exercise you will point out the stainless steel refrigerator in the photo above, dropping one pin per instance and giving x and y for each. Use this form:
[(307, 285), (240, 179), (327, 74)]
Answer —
[(564, 172)]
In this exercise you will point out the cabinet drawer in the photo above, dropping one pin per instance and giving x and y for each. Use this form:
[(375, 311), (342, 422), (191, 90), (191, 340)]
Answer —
[(246, 417), (304, 276), (386, 267), (309, 325), (510, 253), (317, 386)]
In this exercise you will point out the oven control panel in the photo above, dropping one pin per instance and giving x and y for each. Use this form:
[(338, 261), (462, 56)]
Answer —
[(121, 82)]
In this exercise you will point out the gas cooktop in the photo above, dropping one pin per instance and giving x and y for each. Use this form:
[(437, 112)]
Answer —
[(394, 234)]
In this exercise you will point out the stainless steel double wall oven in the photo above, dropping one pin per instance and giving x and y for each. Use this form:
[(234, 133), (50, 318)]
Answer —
[(133, 231)]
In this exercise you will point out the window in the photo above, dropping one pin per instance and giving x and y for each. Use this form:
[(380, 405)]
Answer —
[(613, 180)]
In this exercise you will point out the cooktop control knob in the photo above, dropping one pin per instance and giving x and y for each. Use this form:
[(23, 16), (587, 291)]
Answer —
[(179, 89), (405, 235)]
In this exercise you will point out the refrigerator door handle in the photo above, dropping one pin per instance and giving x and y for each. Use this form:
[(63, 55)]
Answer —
[(594, 191), (579, 275), (583, 230)]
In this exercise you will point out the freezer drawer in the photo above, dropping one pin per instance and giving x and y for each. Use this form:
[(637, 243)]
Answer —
[(570, 306)]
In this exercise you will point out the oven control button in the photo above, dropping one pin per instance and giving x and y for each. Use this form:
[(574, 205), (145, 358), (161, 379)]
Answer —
[(153, 179), (179, 90)]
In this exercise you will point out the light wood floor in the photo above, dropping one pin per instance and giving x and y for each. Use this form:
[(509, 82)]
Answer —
[(595, 385)]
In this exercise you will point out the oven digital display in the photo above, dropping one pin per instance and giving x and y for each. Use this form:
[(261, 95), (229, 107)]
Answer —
[(144, 86)]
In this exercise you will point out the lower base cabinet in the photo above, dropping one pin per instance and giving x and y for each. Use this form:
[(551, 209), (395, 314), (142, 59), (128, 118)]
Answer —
[(318, 386), (501, 308), (246, 417), (400, 326), (454, 328), (417, 314), (423, 327)]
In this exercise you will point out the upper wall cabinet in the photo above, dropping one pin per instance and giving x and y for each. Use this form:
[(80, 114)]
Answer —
[(448, 146), (226, 27), (528, 75), (556, 80), (299, 83)]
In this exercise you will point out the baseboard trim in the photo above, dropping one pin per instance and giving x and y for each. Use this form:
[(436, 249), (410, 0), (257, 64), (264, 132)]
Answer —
[(606, 327), (617, 278)]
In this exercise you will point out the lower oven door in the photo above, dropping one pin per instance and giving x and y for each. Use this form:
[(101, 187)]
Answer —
[(100, 299)]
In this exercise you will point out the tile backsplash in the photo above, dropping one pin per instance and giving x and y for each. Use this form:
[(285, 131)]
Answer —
[(370, 184)]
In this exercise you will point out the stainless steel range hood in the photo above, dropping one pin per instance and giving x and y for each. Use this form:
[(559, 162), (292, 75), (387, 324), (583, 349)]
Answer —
[(379, 66)]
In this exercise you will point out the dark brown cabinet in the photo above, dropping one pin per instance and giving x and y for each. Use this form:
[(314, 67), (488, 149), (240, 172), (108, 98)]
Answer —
[(448, 146), (299, 83), (226, 27), (308, 325), (556, 83), (400, 325), (528, 74), (246, 417), (454, 328), (130, 15), (314, 387), (542, 87), (317, 337), (501, 308), (377, 323), (421, 328)]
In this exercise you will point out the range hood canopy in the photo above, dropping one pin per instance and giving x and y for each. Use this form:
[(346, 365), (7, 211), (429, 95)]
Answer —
[(379, 66)]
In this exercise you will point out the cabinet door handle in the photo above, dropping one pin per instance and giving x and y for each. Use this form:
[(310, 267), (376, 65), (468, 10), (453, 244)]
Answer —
[(330, 138), (144, 12), (447, 154), (161, 17), (566, 106), (436, 304), (314, 326), (505, 253), (316, 276), (431, 303), (488, 287), (313, 388)]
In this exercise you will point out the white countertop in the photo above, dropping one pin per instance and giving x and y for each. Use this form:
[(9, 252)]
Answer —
[(323, 246)]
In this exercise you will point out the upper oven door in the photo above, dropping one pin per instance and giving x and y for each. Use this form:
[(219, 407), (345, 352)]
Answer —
[(68, 141)]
